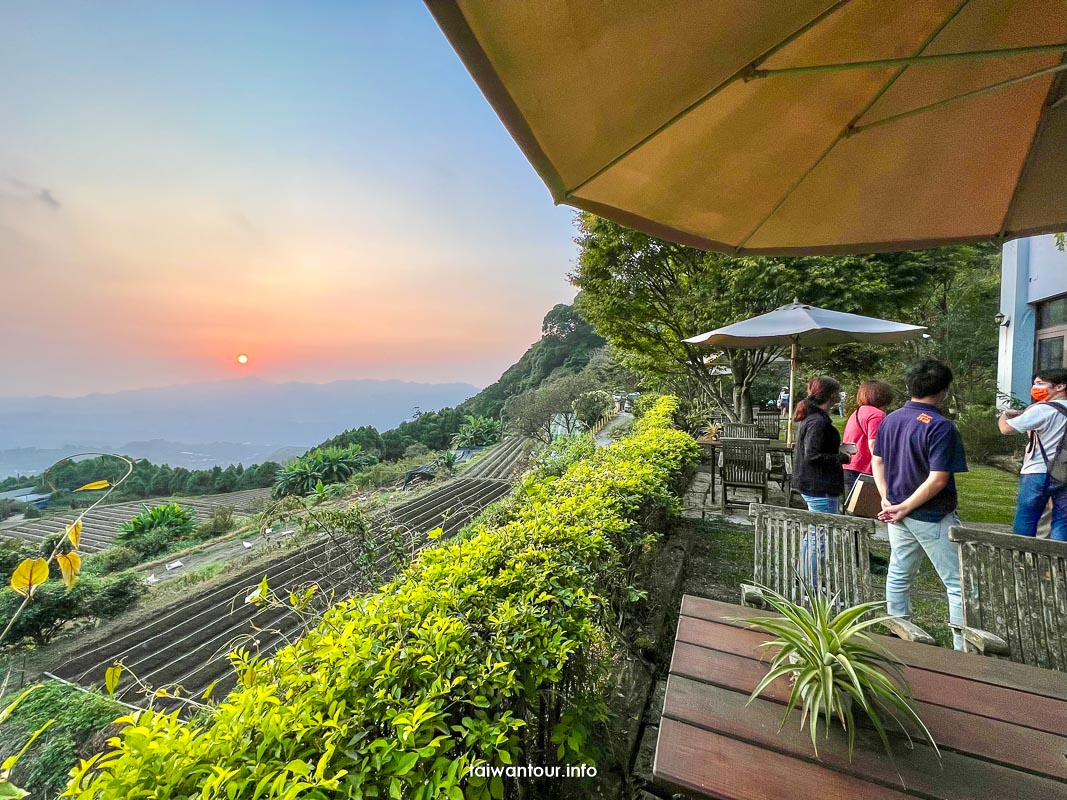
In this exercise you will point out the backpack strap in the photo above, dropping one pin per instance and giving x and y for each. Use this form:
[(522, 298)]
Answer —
[(1037, 438)]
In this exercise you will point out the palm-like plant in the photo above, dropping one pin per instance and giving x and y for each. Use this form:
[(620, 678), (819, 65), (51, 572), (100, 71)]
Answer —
[(477, 432), (168, 515), (835, 667)]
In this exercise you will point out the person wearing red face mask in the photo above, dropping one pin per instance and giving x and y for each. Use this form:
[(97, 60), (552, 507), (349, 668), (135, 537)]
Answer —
[(1046, 423)]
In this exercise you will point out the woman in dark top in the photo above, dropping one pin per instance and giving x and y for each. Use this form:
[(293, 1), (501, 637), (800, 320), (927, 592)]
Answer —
[(817, 454)]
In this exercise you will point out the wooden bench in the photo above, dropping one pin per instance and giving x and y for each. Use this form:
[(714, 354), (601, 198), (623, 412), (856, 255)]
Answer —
[(743, 465), (830, 553), (1014, 596)]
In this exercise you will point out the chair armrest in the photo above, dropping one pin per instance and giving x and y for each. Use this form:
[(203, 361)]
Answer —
[(752, 596), (983, 642), (908, 630)]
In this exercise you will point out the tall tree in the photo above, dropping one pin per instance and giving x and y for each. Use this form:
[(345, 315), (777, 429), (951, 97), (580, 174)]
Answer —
[(645, 295)]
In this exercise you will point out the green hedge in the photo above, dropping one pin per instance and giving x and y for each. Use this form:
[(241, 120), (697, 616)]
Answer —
[(490, 650)]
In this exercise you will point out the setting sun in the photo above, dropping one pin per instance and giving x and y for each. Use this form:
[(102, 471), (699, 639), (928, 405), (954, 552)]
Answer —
[(242, 359)]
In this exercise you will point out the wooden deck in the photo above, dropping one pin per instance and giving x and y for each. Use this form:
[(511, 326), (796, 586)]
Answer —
[(1001, 727)]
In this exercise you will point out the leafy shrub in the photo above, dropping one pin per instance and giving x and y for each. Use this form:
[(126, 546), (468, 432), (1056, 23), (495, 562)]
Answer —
[(170, 516), (644, 403), (485, 650), (221, 521), (558, 457), (156, 530), (78, 717), (32, 512), (93, 597), (384, 474), (8, 508), (114, 559), (325, 464), (982, 440)]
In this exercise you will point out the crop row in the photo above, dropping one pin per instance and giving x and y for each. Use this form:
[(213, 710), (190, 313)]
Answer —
[(100, 525), (501, 463), (187, 644)]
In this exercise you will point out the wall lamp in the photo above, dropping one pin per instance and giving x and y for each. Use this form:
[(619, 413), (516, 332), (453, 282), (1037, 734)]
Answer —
[(1001, 320)]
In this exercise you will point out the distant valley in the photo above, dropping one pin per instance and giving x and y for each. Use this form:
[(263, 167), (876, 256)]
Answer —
[(203, 424)]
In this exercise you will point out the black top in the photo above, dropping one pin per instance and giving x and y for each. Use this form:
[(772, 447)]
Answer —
[(817, 458)]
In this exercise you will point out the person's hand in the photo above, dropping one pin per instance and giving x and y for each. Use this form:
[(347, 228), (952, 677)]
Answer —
[(893, 513)]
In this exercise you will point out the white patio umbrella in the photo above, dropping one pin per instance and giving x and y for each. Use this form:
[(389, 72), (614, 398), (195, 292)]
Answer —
[(799, 323)]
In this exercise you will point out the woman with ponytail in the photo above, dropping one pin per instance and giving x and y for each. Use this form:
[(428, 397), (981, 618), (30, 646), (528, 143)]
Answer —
[(817, 456)]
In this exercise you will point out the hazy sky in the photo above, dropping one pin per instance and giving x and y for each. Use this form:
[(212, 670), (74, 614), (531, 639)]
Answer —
[(318, 185)]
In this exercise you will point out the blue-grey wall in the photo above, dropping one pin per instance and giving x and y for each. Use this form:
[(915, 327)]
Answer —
[(1032, 270)]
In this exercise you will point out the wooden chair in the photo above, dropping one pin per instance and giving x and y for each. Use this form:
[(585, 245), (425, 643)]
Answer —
[(767, 424), (743, 465), (739, 430), (829, 552), (1014, 596)]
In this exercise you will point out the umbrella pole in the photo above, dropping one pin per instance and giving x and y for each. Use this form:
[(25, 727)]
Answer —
[(792, 393)]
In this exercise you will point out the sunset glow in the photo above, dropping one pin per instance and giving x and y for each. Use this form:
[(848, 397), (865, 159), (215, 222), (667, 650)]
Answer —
[(242, 359), (302, 205)]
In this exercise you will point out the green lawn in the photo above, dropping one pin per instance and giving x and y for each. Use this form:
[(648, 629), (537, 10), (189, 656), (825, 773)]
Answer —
[(987, 495)]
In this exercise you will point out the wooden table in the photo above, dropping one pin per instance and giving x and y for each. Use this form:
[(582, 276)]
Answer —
[(1001, 727)]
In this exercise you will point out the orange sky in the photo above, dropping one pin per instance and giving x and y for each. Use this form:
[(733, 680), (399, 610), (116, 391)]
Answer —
[(360, 215)]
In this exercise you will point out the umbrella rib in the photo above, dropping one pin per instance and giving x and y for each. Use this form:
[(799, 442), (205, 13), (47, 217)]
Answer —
[(569, 193), (936, 58), (1046, 110), (996, 87), (845, 131)]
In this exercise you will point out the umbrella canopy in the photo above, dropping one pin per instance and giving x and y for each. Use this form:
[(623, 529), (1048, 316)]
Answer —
[(797, 323), (811, 126), (803, 324)]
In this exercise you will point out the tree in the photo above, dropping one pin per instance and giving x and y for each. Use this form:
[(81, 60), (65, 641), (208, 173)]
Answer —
[(531, 413), (592, 407), (645, 296)]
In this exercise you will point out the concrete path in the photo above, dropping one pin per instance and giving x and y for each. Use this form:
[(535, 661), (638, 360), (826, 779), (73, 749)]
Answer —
[(603, 439)]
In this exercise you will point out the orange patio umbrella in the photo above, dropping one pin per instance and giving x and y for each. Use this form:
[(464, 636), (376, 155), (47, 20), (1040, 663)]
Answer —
[(807, 126)]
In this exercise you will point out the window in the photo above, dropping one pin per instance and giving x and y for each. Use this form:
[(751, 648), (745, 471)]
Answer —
[(1051, 334)]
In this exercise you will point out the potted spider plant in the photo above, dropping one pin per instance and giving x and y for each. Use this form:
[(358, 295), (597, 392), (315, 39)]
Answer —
[(836, 669)]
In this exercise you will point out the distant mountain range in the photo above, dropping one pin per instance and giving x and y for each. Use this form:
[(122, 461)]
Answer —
[(202, 424)]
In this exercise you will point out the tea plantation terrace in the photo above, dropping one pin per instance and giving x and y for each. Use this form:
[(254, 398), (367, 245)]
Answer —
[(100, 525), (186, 645)]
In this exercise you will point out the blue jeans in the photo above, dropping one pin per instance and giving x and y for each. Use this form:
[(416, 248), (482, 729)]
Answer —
[(826, 504), (1035, 490), (815, 541), (909, 540)]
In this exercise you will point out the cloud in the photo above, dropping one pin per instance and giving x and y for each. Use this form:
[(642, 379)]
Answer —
[(49, 199), (24, 192)]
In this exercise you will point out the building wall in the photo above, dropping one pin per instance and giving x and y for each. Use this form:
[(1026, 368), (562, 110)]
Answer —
[(1032, 270)]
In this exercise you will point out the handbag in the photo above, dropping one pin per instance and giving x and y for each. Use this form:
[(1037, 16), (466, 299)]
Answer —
[(863, 500)]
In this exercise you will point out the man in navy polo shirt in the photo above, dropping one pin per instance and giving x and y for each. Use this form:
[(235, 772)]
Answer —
[(915, 456)]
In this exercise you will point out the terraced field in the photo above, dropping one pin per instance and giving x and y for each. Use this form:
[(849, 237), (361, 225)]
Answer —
[(186, 644), (501, 463), (101, 524)]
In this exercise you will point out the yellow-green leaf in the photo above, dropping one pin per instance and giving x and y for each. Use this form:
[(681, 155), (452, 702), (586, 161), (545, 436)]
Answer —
[(74, 532), (69, 564), (11, 761), (94, 486), (9, 709), (9, 791), (111, 678), (31, 573), (435, 533)]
